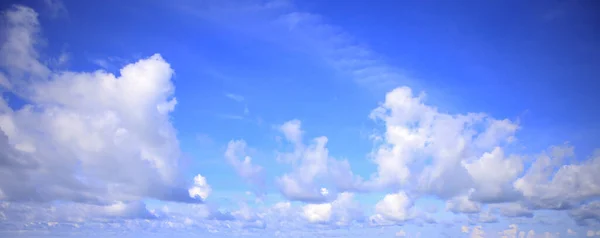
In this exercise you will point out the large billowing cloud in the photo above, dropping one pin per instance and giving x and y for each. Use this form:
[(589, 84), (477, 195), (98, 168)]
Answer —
[(88, 137), (457, 152)]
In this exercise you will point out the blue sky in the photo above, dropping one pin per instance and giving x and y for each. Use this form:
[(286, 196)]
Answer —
[(299, 118)]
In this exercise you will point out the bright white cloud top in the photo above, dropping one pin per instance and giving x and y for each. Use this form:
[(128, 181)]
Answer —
[(86, 152)]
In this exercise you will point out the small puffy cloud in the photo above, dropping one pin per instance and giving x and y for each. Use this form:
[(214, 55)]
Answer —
[(511, 232), (571, 232), (400, 233), (464, 229), (477, 232), (292, 131), (393, 208), (341, 212), (200, 189), (316, 213)]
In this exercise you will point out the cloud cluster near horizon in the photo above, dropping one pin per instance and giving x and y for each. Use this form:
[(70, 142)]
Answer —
[(88, 149)]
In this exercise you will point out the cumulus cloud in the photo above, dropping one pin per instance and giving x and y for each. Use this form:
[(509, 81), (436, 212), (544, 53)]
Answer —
[(237, 157), (477, 232), (462, 204), (511, 232), (341, 212), (200, 189), (102, 140), (550, 184), (393, 208), (317, 212), (445, 145), (312, 167)]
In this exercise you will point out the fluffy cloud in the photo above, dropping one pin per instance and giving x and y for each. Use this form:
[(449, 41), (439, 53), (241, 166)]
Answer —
[(200, 189), (317, 212), (462, 204), (242, 163), (341, 212), (312, 160), (445, 145), (102, 141), (312, 168), (511, 232), (393, 208), (493, 175), (550, 184), (477, 232)]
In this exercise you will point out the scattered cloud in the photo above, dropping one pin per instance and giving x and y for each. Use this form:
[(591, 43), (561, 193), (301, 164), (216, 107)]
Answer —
[(92, 150), (56, 8), (235, 97), (237, 157)]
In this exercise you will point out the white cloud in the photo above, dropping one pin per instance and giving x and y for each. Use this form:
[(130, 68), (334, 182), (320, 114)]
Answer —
[(311, 160), (392, 208), (341, 212), (464, 229), (317, 212), (292, 131), (493, 174), (570, 184), (400, 233), (511, 232), (236, 155), (200, 188), (477, 232), (571, 232), (85, 136), (416, 132)]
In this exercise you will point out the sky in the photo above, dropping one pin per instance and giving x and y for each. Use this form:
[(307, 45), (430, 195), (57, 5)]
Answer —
[(281, 118)]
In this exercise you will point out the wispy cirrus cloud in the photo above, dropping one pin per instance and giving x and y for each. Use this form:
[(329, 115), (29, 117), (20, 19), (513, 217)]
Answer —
[(281, 23), (235, 97)]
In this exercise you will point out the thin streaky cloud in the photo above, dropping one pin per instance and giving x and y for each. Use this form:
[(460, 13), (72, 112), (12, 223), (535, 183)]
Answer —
[(235, 97)]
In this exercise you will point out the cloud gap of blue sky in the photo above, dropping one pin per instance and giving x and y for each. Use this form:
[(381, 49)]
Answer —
[(286, 118)]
